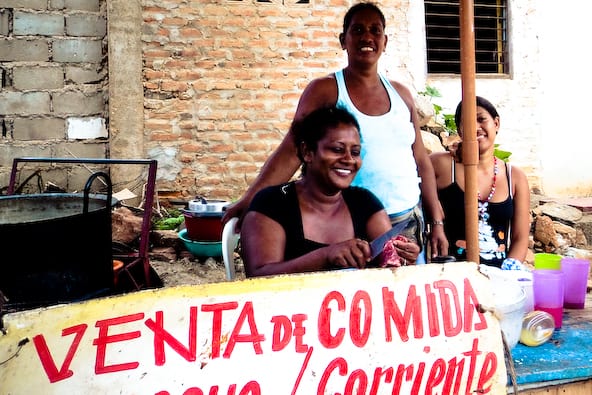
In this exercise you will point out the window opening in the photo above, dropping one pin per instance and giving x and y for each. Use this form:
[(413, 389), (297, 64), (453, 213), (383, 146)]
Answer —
[(442, 19)]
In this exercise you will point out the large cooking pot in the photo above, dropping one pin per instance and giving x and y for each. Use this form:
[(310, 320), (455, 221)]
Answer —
[(56, 247)]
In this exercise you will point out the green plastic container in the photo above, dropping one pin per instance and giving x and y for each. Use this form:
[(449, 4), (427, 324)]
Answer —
[(547, 261), (202, 249)]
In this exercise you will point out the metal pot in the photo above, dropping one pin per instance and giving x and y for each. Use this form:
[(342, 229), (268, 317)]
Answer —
[(57, 247)]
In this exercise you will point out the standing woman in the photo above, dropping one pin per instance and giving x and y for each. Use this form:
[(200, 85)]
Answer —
[(318, 222), (503, 197), (397, 168)]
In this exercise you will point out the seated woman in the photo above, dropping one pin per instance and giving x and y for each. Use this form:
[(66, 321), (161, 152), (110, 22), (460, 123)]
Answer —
[(503, 197), (318, 222)]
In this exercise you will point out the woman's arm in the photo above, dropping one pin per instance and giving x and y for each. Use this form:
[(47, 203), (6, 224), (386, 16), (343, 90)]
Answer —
[(263, 242), (520, 231), (429, 195)]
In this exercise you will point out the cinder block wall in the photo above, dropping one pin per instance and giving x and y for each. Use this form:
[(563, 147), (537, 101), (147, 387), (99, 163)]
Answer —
[(54, 97)]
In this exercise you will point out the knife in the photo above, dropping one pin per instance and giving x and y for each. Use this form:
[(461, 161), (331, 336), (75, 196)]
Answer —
[(377, 245)]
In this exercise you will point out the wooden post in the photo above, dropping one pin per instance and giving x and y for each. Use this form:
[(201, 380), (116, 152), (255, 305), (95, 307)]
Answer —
[(470, 147)]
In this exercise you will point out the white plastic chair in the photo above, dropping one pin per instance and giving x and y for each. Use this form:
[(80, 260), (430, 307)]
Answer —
[(229, 242)]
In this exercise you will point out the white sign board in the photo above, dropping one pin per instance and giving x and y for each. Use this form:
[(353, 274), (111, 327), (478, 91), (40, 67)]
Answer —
[(413, 330)]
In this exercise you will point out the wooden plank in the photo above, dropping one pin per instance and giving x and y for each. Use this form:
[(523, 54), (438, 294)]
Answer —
[(578, 388), (566, 356)]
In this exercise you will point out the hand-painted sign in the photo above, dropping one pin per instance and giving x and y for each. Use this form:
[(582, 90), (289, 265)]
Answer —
[(413, 330)]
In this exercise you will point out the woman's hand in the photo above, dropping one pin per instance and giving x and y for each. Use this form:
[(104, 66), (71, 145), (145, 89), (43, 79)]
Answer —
[(237, 209), (399, 251), (354, 253)]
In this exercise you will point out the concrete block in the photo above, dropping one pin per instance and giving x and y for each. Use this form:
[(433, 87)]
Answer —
[(24, 103), (78, 51), (37, 78), (39, 129), (78, 103), (24, 50), (27, 24), (81, 5), (32, 4), (86, 128), (4, 22), (82, 75), (9, 152), (86, 25), (81, 149), (79, 175), (4, 179)]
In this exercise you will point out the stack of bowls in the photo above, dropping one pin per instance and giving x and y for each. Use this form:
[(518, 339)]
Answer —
[(203, 227)]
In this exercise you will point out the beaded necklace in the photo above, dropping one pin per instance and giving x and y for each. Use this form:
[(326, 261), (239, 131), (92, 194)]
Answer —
[(483, 214)]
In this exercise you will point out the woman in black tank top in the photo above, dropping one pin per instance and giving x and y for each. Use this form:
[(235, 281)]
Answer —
[(503, 197)]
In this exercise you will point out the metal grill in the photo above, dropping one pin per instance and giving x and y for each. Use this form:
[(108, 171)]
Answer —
[(442, 19)]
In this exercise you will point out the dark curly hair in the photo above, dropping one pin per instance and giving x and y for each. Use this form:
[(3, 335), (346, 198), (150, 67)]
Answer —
[(481, 102), (349, 15), (313, 127)]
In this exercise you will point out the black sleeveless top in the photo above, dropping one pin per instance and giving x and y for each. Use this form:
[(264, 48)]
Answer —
[(280, 203), (494, 233)]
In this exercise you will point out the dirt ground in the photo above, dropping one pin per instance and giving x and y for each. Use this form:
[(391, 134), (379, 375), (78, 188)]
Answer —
[(191, 271)]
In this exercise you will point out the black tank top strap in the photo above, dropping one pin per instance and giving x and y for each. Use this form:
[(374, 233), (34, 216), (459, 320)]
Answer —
[(452, 171), (509, 177)]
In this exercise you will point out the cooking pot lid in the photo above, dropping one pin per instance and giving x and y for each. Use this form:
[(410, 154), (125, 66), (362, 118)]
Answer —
[(202, 205)]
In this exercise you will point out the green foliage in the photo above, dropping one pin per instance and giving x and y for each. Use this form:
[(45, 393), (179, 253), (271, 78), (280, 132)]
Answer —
[(446, 120), (172, 221), (501, 154), (449, 123)]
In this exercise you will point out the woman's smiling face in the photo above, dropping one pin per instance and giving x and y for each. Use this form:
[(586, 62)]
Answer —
[(365, 38), (486, 126), (336, 161)]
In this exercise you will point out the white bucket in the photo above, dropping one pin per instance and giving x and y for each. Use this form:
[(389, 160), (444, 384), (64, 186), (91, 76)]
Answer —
[(510, 301)]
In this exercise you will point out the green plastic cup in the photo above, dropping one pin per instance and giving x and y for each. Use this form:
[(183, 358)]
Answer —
[(547, 261)]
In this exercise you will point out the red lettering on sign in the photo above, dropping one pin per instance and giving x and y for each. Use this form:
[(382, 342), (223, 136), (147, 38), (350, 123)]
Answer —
[(440, 378), (161, 336), (338, 363), (299, 332), (401, 321), (435, 376), (324, 321), (452, 325), (388, 375), (217, 309), (104, 339), (488, 369), (443, 307), (357, 379), (433, 318), (282, 332), (251, 388), (47, 361), (471, 303), (253, 336), (360, 318)]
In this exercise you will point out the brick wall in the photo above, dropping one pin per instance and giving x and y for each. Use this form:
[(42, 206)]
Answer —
[(222, 80), (53, 100), (219, 81)]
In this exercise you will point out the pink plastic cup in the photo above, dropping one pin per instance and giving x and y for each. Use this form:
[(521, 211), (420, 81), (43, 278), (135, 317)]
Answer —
[(576, 280), (548, 286)]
